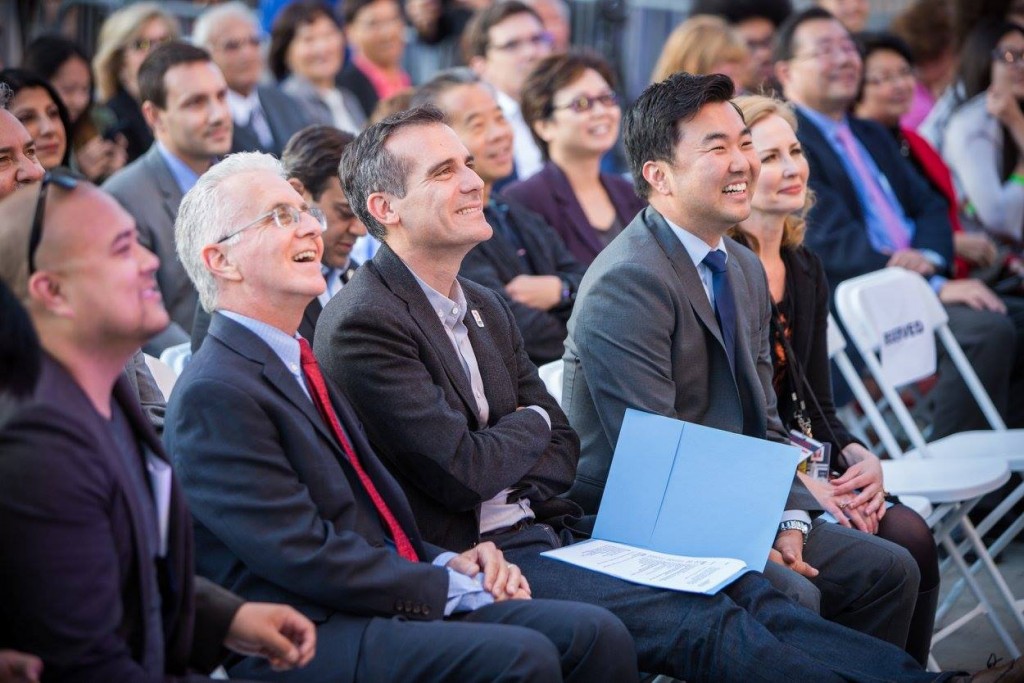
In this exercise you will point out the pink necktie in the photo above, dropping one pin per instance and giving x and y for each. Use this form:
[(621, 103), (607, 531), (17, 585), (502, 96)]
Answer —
[(318, 392), (894, 227)]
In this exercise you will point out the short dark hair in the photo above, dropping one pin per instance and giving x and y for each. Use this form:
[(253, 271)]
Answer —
[(736, 11), (476, 35), (870, 42), (287, 24), (652, 126), (367, 166), (19, 79), (161, 60), (350, 9), (313, 154), (784, 37), (975, 71), (47, 54), (431, 91), (927, 27), (551, 75)]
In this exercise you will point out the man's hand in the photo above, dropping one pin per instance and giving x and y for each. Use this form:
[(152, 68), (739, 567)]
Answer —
[(502, 579), (914, 260), (972, 293), (277, 632), (542, 292), (18, 667), (976, 247), (788, 551)]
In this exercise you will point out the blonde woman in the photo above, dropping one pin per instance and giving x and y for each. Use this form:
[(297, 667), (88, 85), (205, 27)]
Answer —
[(126, 39), (799, 292), (705, 44)]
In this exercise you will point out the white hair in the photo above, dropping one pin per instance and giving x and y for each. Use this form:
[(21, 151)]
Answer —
[(205, 28), (208, 213)]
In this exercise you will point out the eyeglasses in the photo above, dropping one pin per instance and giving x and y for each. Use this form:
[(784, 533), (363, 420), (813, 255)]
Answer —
[(882, 79), (536, 40), (585, 103), (843, 48), (1011, 57), (147, 44), (285, 216), (64, 178), (238, 43)]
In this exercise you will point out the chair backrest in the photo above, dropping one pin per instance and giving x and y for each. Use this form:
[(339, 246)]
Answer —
[(163, 374), (894, 311), (551, 375)]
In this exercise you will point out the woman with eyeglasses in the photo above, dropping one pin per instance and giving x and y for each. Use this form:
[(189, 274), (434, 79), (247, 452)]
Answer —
[(64, 64), (307, 52), (39, 108), (126, 39), (984, 139), (570, 105), (799, 346)]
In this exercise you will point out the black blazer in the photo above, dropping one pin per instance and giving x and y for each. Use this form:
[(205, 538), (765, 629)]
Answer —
[(837, 232), (548, 193), (382, 342), (807, 291), (77, 578), (279, 512), (494, 263), (131, 123)]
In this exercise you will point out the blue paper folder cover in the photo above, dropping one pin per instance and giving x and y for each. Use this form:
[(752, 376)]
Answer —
[(685, 489)]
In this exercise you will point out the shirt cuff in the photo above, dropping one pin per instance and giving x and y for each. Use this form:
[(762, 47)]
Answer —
[(465, 593), (543, 413), (799, 515), (937, 282), (934, 258)]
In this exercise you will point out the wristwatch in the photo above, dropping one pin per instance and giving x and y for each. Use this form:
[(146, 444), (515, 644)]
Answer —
[(798, 524)]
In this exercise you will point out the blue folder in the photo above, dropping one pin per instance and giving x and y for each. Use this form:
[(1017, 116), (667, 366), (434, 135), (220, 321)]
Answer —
[(685, 489)]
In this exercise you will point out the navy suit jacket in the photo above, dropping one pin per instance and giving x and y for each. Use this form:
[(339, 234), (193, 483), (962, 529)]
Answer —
[(548, 193), (494, 264), (279, 512), (77, 577), (836, 230), (285, 116), (382, 342)]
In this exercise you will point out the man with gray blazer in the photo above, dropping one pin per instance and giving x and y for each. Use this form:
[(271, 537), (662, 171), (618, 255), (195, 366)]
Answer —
[(184, 100), (265, 117), (673, 318)]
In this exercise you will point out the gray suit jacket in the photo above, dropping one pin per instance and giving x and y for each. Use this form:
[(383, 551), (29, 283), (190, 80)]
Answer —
[(316, 109), (285, 117), (148, 191), (644, 335)]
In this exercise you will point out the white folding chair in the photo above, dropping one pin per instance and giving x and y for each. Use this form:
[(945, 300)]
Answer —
[(551, 375), (898, 303), (177, 356), (165, 377)]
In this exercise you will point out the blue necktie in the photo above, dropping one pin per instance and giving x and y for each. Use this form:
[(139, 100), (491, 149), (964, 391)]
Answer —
[(725, 305)]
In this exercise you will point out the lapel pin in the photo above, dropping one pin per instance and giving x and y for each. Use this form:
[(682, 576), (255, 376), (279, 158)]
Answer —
[(477, 318)]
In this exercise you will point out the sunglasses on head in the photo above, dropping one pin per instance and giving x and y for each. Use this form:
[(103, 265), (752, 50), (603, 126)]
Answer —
[(63, 178)]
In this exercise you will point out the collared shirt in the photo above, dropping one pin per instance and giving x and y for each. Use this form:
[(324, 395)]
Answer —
[(496, 513), (697, 249), (364, 248), (465, 593), (336, 279), (183, 175), (340, 115), (384, 84), (528, 157), (247, 111)]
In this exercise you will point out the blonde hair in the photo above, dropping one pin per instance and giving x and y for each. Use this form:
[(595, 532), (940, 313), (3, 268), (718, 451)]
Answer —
[(756, 108), (119, 29), (697, 45)]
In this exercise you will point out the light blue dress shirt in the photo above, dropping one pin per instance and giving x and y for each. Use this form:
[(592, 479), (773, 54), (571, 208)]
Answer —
[(184, 176), (465, 593)]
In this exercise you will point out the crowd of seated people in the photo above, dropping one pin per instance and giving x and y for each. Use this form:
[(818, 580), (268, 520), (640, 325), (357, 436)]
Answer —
[(359, 466)]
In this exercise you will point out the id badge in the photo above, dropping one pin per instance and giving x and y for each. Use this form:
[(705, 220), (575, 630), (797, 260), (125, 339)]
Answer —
[(817, 455)]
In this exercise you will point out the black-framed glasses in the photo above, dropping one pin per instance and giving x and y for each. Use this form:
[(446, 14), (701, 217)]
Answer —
[(63, 178), (285, 216), (1011, 57), (585, 103)]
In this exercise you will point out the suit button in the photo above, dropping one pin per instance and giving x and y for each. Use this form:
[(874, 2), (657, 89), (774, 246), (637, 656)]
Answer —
[(408, 605), (398, 605), (416, 609), (426, 610)]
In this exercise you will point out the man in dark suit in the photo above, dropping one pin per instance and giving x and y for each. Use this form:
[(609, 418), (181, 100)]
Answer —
[(525, 260), (872, 210), (311, 161), (265, 117), (436, 370), (658, 328), (97, 577), (184, 100), (290, 501)]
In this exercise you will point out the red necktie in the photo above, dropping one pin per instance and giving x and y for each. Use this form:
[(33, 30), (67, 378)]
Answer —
[(318, 392)]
